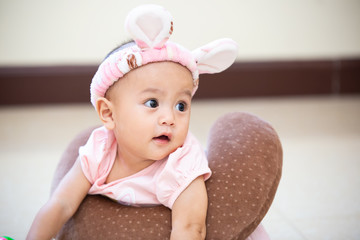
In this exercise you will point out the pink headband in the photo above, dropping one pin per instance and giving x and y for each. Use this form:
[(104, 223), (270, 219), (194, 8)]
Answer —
[(151, 26)]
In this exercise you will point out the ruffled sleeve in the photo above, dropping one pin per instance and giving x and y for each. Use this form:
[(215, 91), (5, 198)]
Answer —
[(96, 156), (182, 167)]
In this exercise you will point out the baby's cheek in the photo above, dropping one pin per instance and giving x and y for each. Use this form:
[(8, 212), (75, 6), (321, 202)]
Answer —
[(181, 141)]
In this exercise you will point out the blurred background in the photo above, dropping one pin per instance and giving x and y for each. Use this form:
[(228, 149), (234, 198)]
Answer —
[(39, 32), (298, 67)]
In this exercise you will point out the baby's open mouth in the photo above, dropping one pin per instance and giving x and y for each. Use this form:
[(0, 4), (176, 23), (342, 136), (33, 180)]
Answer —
[(162, 138)]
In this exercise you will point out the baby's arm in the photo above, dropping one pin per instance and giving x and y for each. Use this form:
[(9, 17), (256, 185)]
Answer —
[(61, 206), (189, 212)]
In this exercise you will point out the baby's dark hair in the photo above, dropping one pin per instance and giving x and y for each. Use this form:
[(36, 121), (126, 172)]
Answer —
[(120, 47)]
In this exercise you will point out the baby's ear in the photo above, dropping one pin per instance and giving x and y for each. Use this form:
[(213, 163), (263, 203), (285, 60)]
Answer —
[(105, 111), (216, 56)]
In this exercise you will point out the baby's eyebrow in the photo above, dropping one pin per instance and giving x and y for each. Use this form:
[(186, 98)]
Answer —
[(152, 90), (187, 92)]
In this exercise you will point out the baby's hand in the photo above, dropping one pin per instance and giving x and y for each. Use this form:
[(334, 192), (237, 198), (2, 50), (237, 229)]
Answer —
[(189, 212)]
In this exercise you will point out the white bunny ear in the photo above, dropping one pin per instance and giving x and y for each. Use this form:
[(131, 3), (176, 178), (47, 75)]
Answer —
[(216, 56), (149, 25)]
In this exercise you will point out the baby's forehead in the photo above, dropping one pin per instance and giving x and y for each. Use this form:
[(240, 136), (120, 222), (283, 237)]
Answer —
[(159, 75)]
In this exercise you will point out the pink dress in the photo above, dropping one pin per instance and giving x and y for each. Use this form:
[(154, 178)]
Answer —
[(160, 183)]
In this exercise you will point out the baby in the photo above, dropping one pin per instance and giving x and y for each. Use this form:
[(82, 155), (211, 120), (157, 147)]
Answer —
[(144, 154)]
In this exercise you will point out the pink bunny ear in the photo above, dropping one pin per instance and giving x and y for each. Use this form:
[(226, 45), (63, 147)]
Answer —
[(216, 56), (149, 25)]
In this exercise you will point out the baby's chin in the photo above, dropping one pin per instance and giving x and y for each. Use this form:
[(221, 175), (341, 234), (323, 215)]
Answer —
[(166, 154)]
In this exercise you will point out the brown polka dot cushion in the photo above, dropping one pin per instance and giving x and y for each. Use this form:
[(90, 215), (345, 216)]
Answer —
[(245, 156)]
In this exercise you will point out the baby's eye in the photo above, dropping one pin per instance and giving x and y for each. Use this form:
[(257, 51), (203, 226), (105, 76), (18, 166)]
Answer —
[(152, 103), (181, 106)]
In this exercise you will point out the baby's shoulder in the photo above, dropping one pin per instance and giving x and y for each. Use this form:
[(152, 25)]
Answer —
[(99, 153)]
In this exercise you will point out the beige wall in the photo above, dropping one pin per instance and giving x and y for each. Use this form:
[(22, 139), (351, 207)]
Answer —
[(38, 32)]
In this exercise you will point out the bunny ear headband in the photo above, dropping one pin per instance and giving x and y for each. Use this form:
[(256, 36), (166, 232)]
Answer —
[(151, 26)]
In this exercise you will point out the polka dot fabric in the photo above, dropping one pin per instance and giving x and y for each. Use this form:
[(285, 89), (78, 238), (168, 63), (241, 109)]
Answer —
[(245, 156), (101, 218)]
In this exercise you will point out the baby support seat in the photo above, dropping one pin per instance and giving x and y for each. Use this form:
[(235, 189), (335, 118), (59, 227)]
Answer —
[(245, 155)]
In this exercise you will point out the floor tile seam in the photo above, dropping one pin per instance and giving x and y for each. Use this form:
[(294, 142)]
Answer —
[(334, 216)]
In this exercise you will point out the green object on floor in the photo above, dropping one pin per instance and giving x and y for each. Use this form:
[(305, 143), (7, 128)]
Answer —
[(6, 238)]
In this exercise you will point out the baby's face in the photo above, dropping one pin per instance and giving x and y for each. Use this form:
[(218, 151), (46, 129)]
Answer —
[(152, 109)]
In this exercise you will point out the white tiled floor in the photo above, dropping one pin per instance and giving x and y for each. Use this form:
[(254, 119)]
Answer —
[(318, 197)]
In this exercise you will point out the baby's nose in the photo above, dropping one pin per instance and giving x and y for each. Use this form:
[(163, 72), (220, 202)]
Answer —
[(167, 118)]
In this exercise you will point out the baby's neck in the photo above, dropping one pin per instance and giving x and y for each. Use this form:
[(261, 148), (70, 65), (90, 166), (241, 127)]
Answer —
[(123, 168)]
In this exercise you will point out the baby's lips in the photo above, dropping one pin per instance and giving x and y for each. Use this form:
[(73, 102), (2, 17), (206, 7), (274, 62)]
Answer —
[(163, 137)]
